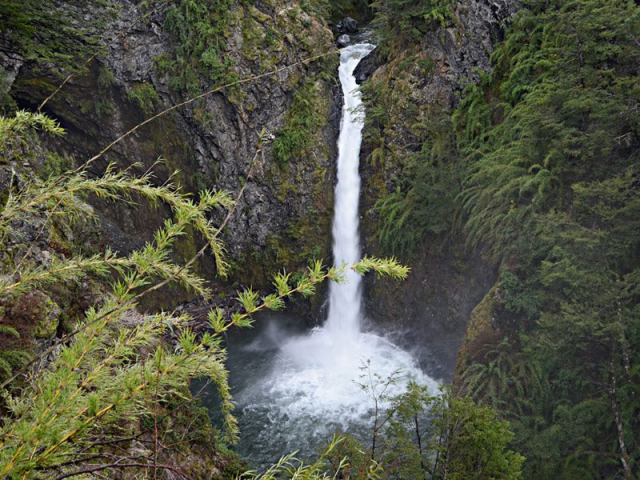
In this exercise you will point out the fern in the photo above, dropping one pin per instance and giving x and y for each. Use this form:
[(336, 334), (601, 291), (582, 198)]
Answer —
[(401, 22)]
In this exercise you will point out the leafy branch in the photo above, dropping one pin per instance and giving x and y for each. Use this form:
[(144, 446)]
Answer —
[(104, 369)]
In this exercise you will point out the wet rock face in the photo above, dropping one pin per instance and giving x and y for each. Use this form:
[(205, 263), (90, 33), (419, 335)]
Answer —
[(31, 242), (10, 64), (429, 312), (211, 141), (366, 67), (347, 25), (467, 43)]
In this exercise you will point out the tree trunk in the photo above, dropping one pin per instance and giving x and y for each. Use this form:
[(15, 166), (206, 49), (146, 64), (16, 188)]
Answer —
[(624, 454)]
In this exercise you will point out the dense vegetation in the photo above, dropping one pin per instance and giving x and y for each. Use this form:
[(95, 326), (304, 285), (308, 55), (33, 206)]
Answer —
[(536, 168), (120, 378), (554, 195), (199, 31), (547, 147), (334, 10), (42, 32), (115, 398), (100, 388), (304, 117), (431, 435), (401, 23)]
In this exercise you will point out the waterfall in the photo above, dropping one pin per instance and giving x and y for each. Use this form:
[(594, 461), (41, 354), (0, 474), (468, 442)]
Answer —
[(296, 394), (345, 300)]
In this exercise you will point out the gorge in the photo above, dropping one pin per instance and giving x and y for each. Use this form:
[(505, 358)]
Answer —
[(171, 170)]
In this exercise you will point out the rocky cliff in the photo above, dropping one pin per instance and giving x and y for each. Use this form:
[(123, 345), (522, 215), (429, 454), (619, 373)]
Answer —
[(154, 55), (411, 95), (269, 67)]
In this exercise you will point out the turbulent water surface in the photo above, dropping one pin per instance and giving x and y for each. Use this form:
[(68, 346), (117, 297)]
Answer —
[(293, 391)]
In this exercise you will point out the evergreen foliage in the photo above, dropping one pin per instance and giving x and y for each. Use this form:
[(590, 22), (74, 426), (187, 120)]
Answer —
[(11, 358), (402, 22), (551, 140), (198, 29), (303, 118), (114, 368), (423, 202), (545, 149), (333, 10), (145, 97), (539, 167), (49, 35), (432, 437)]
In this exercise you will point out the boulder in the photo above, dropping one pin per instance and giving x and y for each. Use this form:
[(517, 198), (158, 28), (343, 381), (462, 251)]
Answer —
[(366, 67), (347, 25), (343, 40)]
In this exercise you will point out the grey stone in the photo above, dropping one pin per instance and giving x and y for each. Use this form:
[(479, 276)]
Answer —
[(343, 40), (366, 67), (430, 310), (347, 25)]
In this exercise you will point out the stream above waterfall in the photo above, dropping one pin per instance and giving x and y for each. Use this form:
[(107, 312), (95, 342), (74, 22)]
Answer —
[(295, 389)]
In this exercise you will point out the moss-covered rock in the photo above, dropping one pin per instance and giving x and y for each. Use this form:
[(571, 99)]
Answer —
[(481, 332), (34, 315), (411, 176), (211, 141)]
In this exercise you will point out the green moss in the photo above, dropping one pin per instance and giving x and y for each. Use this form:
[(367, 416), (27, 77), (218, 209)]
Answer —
[(104, 108), (333, 10), (258, 15), (400, 23), (55, 164), (46, 35), (162, 139), (427, 65), (46, 319), (145, 97), (186, 248), (106, 78), (199, 30), (306, 116), (285, 190), (7, 104), (251, 36), (416, 174)]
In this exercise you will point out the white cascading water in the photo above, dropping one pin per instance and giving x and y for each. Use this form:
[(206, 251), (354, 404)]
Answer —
[(345, 301), (311, 388)]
